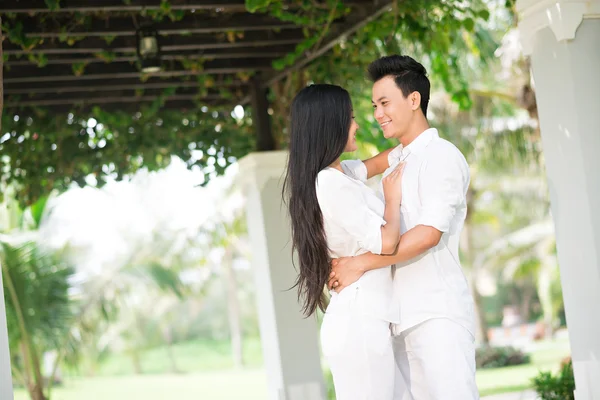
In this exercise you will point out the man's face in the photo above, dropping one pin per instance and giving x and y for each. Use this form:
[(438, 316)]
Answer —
[(391, 109)]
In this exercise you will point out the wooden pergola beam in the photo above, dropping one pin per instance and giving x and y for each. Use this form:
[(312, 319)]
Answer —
[(157, 82), (108, 6), (337, 34), (127, 44), (131, 91), (61, 59), (261, 118), (93, 6), (115, 98), (95, 101), (57, 90), (129, 105), (114, 26), (97, 71), (124, 75)]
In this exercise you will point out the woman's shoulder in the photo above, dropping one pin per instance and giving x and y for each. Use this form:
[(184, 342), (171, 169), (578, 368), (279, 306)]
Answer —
[(331, 181), (333, 178)]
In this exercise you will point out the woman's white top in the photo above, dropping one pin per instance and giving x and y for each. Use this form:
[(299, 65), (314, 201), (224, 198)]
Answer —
[(353, 217)]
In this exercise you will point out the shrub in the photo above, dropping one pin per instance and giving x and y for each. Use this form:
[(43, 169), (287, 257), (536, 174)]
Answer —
[(556, 387), (495, 357)]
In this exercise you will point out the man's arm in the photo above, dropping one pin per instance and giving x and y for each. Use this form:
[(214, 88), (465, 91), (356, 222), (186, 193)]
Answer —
[(378, 164), (443, 189), (412, 244)]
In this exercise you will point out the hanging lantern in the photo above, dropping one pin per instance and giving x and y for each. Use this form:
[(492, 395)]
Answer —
[(148, 50)]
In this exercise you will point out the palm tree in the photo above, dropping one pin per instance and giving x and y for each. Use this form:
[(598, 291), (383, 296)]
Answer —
[(39, 308), (34, 278)]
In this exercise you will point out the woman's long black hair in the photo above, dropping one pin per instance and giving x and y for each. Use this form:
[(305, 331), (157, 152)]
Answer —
[(321, 116)]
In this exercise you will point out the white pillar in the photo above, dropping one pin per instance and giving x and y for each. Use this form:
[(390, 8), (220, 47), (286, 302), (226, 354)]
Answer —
[(563, 39), (289, 341), (6, 389)]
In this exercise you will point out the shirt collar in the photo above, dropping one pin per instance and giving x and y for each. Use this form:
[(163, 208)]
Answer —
[(414, 147)]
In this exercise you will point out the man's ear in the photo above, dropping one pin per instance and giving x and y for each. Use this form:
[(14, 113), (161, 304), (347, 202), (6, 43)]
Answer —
[(415, 100)]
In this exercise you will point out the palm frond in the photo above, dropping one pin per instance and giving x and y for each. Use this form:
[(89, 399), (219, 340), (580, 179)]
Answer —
[(40, 293)]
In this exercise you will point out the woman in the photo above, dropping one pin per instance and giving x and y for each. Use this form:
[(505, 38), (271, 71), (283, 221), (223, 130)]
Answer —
[(334, 216)]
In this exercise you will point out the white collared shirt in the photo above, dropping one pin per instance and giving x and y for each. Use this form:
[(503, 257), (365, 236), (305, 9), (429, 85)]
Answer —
[(352, 218), (434, 188)]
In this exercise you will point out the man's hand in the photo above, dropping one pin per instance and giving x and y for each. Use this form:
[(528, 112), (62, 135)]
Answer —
[(344, 272)]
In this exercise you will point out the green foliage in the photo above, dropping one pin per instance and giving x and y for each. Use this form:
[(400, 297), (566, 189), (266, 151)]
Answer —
[(495, 357), (15, 34), (53, 5), (42, 151), (165, 278), (39, 310), (556, 387), (36, 278), (255, 5), (37, 210)]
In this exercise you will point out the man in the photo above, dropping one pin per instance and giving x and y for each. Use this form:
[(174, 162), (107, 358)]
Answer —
[(434, 341)]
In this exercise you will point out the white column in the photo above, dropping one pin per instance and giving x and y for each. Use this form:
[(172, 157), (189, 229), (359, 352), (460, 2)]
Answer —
[(6, 389), (563, 39), (289, 341)]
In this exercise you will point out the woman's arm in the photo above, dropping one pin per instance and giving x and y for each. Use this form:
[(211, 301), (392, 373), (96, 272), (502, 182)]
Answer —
[(343, 204)]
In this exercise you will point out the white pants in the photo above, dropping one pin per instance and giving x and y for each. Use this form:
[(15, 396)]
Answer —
[(437, 360), (358, 349)]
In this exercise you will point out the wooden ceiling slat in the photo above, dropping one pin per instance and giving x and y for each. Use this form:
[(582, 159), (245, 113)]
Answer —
[(100, 88), (222, 32), (187, 93), (71, 78), (39, 27), (126, 44), (92, 6), (59, 72), (230, 55), (111, 6), (133, 83)]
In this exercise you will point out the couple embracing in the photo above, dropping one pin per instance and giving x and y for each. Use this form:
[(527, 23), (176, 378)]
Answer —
[(399, 323)]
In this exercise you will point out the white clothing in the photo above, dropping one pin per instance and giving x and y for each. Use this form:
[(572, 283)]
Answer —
[(437, 359), (355, 333), (434, 339), (434, 187), (353, 217), (358, 349)]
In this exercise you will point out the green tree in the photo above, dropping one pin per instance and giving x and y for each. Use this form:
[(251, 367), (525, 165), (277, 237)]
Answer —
[(39, 309)]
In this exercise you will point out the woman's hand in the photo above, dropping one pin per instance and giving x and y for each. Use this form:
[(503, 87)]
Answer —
[(392, 185)]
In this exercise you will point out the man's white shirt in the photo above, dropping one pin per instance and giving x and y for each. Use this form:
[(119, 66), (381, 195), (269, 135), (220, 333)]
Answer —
[(434, 188)]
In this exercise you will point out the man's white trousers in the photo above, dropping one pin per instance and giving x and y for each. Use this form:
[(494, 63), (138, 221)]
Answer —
[(437, 360)]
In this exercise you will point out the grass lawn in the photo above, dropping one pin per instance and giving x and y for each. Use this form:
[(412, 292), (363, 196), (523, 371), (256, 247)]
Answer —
[(221, 385), (193, 356), (208, 375), (545, 356)]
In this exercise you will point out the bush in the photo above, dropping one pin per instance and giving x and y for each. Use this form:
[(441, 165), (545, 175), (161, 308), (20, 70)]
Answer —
[(495, 357), (559, 387)]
